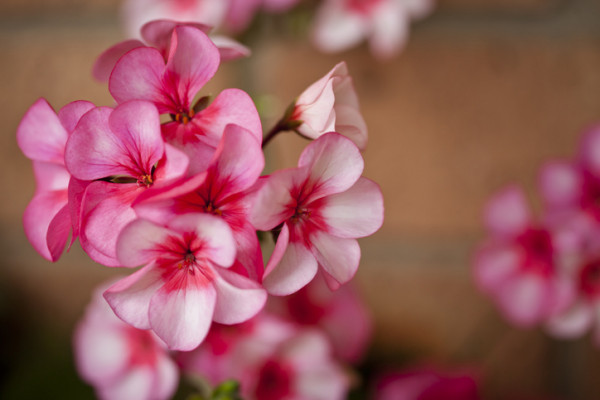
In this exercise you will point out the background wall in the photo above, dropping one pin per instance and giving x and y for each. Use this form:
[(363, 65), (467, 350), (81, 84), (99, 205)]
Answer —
[(483, 94)]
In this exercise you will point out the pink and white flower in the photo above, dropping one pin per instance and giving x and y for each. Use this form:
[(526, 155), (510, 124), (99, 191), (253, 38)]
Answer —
[(42, 136), (185, 283), (341, 24), (122, 153), (331, 104), (221, 191), (172, 82), (120, 361), (518, 266), (427, 384), (271, 358), (341, 315), (322, 207)]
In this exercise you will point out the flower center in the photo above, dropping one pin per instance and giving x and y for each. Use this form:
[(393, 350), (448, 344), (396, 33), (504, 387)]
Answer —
[(145, 180), (210, 208), (183, 116), (589, 279), (275, 381), (300, 214), (537, 251)]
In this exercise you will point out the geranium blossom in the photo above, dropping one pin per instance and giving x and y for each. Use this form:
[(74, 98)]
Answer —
[(322, 206), (42, 136), (171, 83), (519, 264), (123, 153), (220, 191), (341, 315), (341, 24), (185, 283), (120, 361), (271, 358)]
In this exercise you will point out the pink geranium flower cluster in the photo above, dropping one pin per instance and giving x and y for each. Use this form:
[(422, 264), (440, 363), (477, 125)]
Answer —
[(547, 271), (171, 181)]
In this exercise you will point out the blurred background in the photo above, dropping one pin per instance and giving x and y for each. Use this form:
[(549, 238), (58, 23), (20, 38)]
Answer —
[(484, 92)]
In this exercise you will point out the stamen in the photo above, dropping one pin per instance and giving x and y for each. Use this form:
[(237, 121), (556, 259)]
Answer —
[(145, 180)]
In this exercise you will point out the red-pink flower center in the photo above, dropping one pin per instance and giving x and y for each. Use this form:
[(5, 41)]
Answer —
[(302, 309), (536, 251), (275, 381), (183, 116), (145, 180), (142, 346), (589, 279), (364, 7), (184, 254), (590, 197)]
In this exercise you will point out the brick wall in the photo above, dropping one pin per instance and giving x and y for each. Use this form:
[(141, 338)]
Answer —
[(484, 92)]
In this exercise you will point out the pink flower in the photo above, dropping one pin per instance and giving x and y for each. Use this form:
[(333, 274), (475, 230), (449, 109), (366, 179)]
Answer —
[(271, 358), (119, 361), (241, 12), (322, 206), (518, 264), (331, 104), (341, 24), (123, 153), (340, 314), (221, 191), (185, 284), (172, 83), (157, 33), (42, 136), (136, 13), (427, 384)]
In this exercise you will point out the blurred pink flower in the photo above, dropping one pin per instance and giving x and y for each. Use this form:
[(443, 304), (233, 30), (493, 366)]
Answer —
[(271, 358), (120, 361), (42, 136), (241, 12), (322, 207), (331, 104), (518, 265), (185, 283), (341, 24), (341, 314), (427, 384)]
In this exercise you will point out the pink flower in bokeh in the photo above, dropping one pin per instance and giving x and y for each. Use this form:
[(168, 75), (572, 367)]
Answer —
[(241, 12), (271, 358), (122, 151), (427, 384), (322, 207), (171, 83), (120, 361), (42, 136), (331, 104), (186, 283), (518, 264), (341, 314), (221, 191), (341, 24)]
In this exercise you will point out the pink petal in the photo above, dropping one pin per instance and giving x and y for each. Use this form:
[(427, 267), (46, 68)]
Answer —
[(189, 139), (130, 297), (335, 164), (124, 141), (507, 214), (240, 14), (58, 233), (108, 59), (238, 298), (138, 75), (249, 254), (231, 106), (173, 166), (213, 231), (106, 211), (494, 265), (238, 161), (133, 384), (139, 241), (230, 49), (158, 33), (271, 202), (391, 23), (573, 323), (76, 192), (315, 110), (357, 212), (71, 113), (182, 317), (589, 150), (293, 271), (350, 123), (335, 29), (193, 60), (339, 257), (40, 134), (522, 299), (167, 378), (37, 219), (560, 184), (50, 177)]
